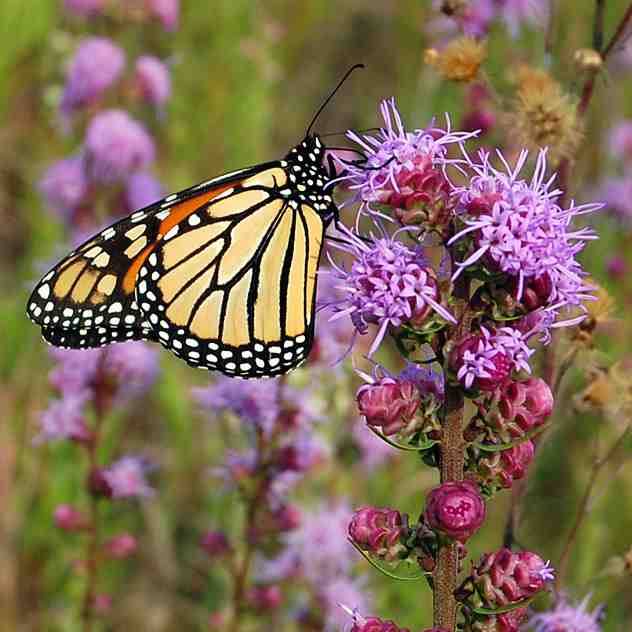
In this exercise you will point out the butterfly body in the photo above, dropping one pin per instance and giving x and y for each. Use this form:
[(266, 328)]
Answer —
[(222, 274)]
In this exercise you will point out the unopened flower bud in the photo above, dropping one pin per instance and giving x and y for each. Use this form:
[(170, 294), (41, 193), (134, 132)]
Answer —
[(287, 518), (378, 531), (505, 577), (120, 546), (373, 624), (98, 485), (68, 518), (388, 404), (262, 598), (102, 604), (455, 509), (527, 403), (215, 544)]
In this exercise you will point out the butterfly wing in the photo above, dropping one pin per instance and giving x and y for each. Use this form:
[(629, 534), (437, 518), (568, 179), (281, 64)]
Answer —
[(232, 288), (88, 299), (222, 274)]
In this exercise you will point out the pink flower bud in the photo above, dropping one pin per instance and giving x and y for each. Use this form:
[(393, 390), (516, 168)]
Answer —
[(68, 518), (287, 518), (505, 577), (98, 485), (102, 604), (455, 509), (215, 543), (378, 531), (120, 546), (388, 403), (528, 403), (262, 598)]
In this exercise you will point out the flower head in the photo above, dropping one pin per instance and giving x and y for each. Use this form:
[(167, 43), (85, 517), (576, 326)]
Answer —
[(153, 79), (566, 617), (369, 624), (117, 146), (255, 403), (134, 366), (517, 228), (377, 531), (455, 509), (486, 360), (402, 169), (96, 65), (64, 185), (460, 59), (121, 546), (125, 478), (215, 544), (64, 419), (389, 284), (68, 518)]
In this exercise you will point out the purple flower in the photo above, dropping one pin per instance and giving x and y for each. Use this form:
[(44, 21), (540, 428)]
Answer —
[(255, 403), (166, 11), (97, 64), (621, 140), (565, 617), (84, 8), (153, 79), (126, 478), (142, 189), (516, 13), (68, 518), (75, 371), (617, 195), (134, 366), (486, 360), (474, 20), (64, 419), (389, 284), (393, 157), (117, 146), (64, 185), (517, 227)]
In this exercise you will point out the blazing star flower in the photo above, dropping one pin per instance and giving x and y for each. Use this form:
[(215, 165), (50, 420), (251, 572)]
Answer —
[(566, 617), (617, 195), (516, 13), (487, 360), (117, 146), (125, 478), (75, 370), (64, 419), (518, 228), (153, 79), (142, 189), (474, 19), (64, 185), (166, 11), (255, 403), (97, 64), (389, 284), (402, 168)]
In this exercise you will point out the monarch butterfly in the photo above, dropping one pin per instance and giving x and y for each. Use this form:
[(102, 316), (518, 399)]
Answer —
[(222, 274)]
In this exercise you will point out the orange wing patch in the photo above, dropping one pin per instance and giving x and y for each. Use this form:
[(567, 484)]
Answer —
[(177, 214)]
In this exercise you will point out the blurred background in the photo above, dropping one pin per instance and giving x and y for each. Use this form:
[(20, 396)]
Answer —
[(239, 83)]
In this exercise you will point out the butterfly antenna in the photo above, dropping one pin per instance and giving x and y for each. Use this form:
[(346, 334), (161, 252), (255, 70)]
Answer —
[(331, 95)]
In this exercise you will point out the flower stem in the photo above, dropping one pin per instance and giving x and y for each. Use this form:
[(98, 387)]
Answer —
[(452, 460), (584, 504)]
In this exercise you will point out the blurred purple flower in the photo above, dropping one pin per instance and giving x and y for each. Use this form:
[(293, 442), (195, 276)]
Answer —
[(565, 617), (389, 284), (117, 146), (142, 189), (621, 141), (68, 518), (166, 11), (126, 478), (134, 366), (120, 546), (96, 65), (84, 8), (518, 228), (254, 402), (617, 196), (474, 20), (516, 13), (392, 155), (64, 419), (374, 451), (153, 79), (64, 185), (75, 370)]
